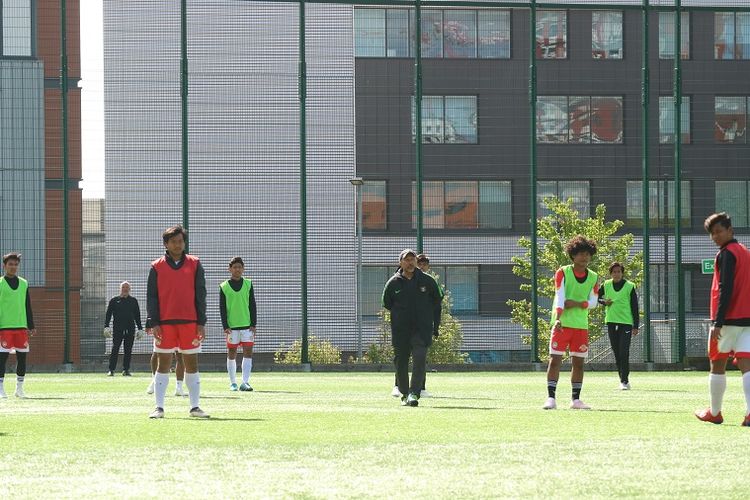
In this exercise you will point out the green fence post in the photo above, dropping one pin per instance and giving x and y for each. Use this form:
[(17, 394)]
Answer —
[(532, 177), (418, 121), (677, 85), (184, 119), (645, 101), (65, 197), (302, 85)]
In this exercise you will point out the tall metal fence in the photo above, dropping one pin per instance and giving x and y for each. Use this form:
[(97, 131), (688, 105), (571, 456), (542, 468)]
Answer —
[(247, 121)]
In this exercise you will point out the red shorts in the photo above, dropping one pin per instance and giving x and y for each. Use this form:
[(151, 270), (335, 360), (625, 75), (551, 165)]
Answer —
[(14, 339), (575, 339), (180, 338)]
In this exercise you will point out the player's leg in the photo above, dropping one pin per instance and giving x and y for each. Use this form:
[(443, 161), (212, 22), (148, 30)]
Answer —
[(128, 354), (626, 336), (3, 362), (576, 381), (395, 392), (553, 375), (189, 346), (742, 355), (718, 354), (419, 360), (401, 353), (179, 371), (163, 348), (20, 372), (154, 363), (247, 366), (232, 367), (117, 337), (614, 342)]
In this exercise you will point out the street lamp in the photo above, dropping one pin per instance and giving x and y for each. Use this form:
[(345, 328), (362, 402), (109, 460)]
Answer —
[(357, 182)]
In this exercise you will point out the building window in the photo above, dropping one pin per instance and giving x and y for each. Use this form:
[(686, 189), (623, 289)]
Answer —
[(666, 120), (463, 284), (494, 34), (464, 205), (732, 198), (373, 205), (551, 34), (578, 191), (731, 35), (579, 120), (730, 119), (661, 203), (447, 120), (369, 32), (664, 288), (16, 27), (449, 33), (606, 34), (666, 35)]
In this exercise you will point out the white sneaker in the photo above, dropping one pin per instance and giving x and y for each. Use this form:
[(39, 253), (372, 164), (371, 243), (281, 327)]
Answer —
[(180, 392), (550, 404), (157, 413), (198, 413), (577, 404), (150, 389), (395, 392), (19, 393), (424, 394), (625, 386), (2, 394)]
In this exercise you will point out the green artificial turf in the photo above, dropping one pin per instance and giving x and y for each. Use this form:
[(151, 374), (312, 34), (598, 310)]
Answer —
[(316, 435)]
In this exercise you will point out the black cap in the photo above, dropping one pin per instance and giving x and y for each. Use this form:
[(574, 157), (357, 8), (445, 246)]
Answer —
[(405, 253)]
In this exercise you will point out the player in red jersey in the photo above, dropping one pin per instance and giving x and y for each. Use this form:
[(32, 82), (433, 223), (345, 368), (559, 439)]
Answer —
[(176, 305), (730, 316)]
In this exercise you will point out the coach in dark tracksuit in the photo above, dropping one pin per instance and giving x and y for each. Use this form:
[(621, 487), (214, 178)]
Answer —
[(414, 300), (127, 315)]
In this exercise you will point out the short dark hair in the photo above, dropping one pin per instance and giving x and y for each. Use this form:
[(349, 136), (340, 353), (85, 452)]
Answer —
[(616, 264), (722, 218), (174, 231), (422, 257), (580, 244), (236, 260), (11, 256)]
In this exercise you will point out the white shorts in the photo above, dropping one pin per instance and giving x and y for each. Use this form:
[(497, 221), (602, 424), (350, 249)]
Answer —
[(734, 339), (241, 337)]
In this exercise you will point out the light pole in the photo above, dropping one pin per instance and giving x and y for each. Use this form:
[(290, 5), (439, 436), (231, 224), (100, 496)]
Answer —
[(357, 182)]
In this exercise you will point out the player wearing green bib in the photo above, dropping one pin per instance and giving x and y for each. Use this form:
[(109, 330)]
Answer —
[(16, 321), (238, 317), (576, 291), (619, 297)]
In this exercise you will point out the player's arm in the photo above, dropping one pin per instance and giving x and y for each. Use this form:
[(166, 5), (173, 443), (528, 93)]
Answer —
[(634, 309), (200, 294), (253, 308), (437, 301), (223, 310), (387, 299), (137, 313), (726, 263), (593, 298), (152, 300), (29, 315), (108, 316), (558, 304)]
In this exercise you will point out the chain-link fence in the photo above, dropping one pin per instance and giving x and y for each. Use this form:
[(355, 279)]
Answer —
[(246, 121)]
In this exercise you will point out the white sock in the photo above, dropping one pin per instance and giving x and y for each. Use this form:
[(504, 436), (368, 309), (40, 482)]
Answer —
[(193, 381), (746, 388), (19, 382), (2, 381), (232, 370), (247, 367), (717, 385), (161, 382), (179, 385)]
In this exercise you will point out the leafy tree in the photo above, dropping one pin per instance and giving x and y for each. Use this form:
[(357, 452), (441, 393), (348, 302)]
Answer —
[(553, 232)]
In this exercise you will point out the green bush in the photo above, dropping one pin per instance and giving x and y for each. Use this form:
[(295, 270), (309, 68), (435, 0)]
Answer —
[(319, 352), (553, 232)]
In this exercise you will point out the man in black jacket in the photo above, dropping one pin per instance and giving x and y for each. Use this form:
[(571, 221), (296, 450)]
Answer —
[(127, 315), (414, 300)]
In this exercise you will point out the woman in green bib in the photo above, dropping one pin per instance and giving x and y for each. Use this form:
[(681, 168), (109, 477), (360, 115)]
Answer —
[(619, 297)]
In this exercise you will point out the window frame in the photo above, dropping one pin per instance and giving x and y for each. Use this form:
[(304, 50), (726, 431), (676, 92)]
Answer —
[(542, 210), (563, 118), (745, 104), (668, 139), (622, 36)]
